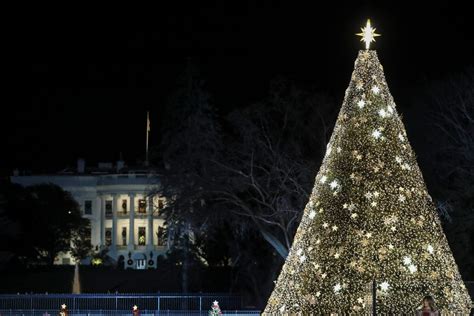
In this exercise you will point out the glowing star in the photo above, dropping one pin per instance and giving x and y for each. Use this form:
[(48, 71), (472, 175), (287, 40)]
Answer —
[(318, 294), (376, 134), (324, 275), (401, 138), (299, 252), (412, 268), (373, 204), (382, 113), (63, 306), (406, 260), (302, 259), (312, 214), (282, 309), (402, 198), (338, 149), (361, 104), (390, 246), (334, 228), (354, 215), (337, 288), (325, 225), (135, 307), (334, 184), (359, 85), (368, 34), (375, 89), (337, 255), (360, 300), (323, 179), (384, 286), (430, 249)]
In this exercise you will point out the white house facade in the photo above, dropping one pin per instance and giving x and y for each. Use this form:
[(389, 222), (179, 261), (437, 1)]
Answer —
[(125, 217)]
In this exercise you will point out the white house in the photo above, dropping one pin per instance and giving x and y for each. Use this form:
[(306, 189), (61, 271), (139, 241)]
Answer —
[(125, 218)]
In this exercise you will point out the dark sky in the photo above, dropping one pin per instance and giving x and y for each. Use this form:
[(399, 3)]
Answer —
[(89, 79)]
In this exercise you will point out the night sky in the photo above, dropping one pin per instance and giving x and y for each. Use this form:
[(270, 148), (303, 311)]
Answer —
[(89, 80)]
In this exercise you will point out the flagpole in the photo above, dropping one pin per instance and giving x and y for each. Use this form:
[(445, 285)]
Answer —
[(147, 132)]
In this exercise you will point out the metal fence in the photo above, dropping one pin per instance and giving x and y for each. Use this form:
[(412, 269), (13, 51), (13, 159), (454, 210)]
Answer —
[(122, 313), (119, 304)]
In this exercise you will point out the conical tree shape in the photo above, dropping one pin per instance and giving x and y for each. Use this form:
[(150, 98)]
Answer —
[(369, 217)]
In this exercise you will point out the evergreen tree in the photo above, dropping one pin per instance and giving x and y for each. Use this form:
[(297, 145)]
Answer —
[(369, 218), (190, 142), (215, 309)]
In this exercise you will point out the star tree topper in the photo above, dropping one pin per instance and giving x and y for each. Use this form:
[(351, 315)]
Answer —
[(368, 34)]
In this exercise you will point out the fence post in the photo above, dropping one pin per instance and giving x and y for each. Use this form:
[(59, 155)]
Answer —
[(200, 304), (159, 304), (374, 298)]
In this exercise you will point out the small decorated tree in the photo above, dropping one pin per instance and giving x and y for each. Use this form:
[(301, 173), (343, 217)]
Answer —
[(63, 311), (135, 311), (215, 309)]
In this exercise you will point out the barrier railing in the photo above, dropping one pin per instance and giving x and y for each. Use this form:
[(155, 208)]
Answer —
[(118, 302), (122, 313)]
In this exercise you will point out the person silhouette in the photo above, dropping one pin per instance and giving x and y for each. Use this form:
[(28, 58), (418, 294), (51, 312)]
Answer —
[(428, 307)]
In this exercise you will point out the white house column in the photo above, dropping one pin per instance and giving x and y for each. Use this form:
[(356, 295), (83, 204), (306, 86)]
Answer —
[(149, 230), (131, 227), (102, 220), (114, 222)]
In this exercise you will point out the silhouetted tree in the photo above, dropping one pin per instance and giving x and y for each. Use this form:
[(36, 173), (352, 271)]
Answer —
[(268, 167), (451, 161), (47, 220), (190, 142)]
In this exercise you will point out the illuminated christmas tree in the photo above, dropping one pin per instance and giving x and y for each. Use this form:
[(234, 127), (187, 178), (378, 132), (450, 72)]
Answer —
[(370, 219), (215, 309)]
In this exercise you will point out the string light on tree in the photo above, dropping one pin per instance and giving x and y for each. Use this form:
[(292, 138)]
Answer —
[(379, 222)]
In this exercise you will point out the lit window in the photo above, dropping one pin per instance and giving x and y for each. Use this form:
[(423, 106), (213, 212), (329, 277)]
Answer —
[(142, 206)]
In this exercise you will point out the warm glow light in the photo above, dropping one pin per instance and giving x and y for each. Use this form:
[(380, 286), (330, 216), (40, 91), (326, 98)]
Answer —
[(368, 34), (384, 286)]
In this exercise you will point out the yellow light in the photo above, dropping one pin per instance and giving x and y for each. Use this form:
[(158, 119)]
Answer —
[(96, 261), (368, 34)]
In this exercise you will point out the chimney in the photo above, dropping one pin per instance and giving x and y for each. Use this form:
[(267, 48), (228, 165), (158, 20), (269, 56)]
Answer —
[(81, 165), (120, 163)]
